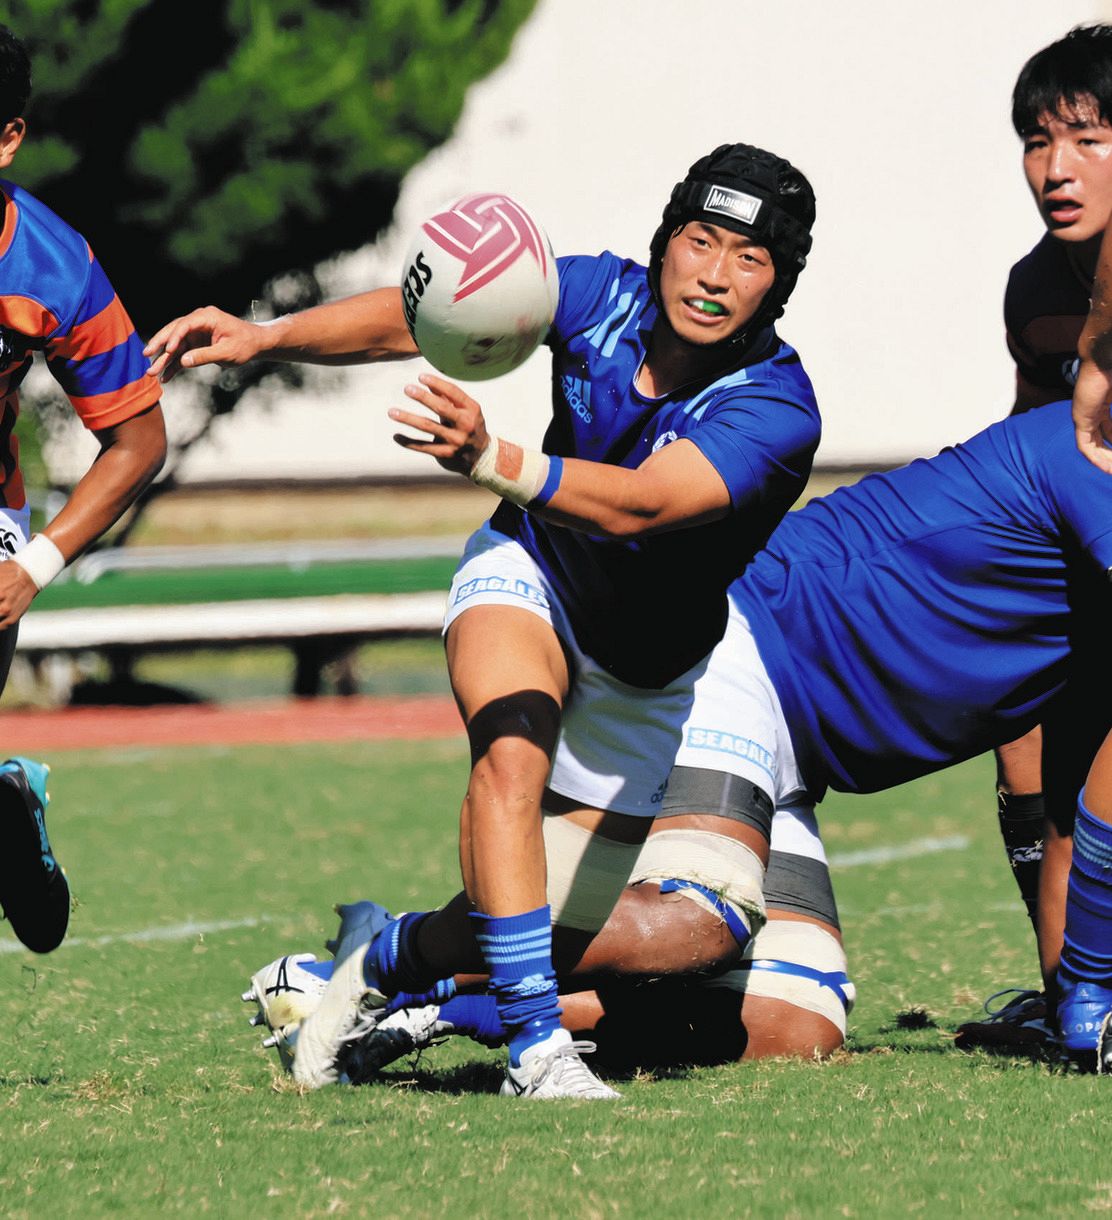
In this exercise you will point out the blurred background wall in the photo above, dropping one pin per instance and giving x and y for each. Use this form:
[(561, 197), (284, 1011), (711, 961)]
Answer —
[(899, 113)]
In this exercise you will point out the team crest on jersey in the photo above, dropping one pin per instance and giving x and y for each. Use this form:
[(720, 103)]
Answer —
[(9, 544), (487, 233), (665, 438)]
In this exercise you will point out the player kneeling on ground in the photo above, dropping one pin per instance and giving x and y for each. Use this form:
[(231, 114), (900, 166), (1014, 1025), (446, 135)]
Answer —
[(991, 562)]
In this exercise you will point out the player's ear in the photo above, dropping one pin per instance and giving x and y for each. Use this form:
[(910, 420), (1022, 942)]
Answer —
[(11, 137)]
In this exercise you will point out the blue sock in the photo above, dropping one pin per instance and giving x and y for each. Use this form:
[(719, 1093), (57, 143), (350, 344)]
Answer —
[(1087, 952), (439, 993), (392, 963), (476, 1016), (517, 950)]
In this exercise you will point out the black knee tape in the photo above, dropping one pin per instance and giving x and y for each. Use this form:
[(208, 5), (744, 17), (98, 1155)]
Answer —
[(695, 790), (802, 885)]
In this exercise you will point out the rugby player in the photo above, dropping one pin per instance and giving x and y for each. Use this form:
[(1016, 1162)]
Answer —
[(890, 629), (55, 299), (683, 429), (1062, 111)]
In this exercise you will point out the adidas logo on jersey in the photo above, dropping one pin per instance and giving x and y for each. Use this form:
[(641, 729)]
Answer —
[(577, 394)]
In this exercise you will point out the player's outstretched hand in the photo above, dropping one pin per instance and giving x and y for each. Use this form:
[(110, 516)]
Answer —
[(17, 592), (205, 336), (1091, 397), (458, 433)]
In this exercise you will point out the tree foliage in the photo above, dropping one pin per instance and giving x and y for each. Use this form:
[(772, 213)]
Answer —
[(212, 148)]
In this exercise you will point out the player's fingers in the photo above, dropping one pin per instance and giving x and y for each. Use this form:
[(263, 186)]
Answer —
[(448, 390), (432, 448), (219, 352), (1095, 450), (437, 428), (445, 411)]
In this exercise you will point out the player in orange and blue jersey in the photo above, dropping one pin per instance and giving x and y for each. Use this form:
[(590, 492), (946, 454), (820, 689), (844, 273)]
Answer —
[(55, 299)]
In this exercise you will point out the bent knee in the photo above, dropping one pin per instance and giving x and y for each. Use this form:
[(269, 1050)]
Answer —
[(778, 1029)]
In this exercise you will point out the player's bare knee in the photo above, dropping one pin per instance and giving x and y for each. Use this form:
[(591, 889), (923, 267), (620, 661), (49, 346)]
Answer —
[(707, 884), (778, 1029), (793, 991)]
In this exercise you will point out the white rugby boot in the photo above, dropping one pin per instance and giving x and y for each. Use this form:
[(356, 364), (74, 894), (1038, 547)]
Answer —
[(323, 1036), (553, 1068), (285, 994)]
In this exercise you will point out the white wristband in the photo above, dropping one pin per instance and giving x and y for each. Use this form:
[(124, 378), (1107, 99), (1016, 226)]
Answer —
[(521, 488), (41, 560)]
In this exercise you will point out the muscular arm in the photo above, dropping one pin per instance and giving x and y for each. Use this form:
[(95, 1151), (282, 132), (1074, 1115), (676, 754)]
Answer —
[(676, 486), (356, 330), (1093, 392), (131, 454)]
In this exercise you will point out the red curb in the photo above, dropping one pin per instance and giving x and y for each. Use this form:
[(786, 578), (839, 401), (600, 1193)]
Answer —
[(256, 723)]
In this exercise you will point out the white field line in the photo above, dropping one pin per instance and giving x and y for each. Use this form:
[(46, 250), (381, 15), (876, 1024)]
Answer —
[(184, 931), (181, 931), (904, 851)]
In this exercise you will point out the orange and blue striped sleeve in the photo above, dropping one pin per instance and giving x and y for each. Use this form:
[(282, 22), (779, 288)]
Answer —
[(98, 360)]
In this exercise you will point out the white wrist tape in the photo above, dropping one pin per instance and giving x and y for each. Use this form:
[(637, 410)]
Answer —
[(520, 488), (41, 560)]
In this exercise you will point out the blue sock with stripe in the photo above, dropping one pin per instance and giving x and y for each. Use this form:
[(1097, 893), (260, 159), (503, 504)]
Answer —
[(1087, 952), (392, 963), (517, 950)]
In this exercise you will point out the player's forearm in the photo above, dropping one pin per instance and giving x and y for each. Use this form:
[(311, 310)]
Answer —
[(622, 504), (355, 330), (130, 457), (603, 499)]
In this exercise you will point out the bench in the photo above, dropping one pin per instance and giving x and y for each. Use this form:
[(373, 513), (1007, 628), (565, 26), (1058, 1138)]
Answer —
[(317, 629)]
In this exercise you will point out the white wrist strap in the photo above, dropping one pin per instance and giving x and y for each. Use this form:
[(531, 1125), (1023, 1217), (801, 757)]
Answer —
[(41, 560), (521, 487)]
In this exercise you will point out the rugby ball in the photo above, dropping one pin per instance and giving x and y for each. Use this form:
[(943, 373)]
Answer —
[(479, 287)]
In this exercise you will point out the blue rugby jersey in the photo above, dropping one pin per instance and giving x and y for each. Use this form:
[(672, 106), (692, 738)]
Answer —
[(925, 615), (55, 298), (648, 609)]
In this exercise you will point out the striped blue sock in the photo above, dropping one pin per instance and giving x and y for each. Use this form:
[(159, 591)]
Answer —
[(1087, 952), (517, 950), (392, 963)]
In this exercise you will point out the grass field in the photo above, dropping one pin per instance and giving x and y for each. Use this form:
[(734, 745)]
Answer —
[(132, 1085)]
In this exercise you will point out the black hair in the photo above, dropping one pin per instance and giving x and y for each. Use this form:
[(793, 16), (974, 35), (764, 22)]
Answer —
[(15, 76), (1063, 76), (781, 220)]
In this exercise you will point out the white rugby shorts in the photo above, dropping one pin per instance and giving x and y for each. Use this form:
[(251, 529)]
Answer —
[(618, 743)]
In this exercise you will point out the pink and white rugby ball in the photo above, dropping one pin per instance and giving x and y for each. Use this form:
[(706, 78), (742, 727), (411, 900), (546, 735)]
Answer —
[(479, 287)]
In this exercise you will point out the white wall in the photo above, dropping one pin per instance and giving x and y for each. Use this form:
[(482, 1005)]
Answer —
[(899, 114)]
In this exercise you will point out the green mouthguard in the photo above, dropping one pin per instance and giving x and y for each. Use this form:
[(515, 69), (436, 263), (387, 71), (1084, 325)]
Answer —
[(711, 307)]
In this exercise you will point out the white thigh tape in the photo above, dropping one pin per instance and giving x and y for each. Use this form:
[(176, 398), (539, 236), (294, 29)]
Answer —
[(787, 943), (714, 861), (586, 873)]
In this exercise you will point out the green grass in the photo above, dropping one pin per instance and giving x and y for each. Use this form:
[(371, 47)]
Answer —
[(168, 587), (131, 1085)]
